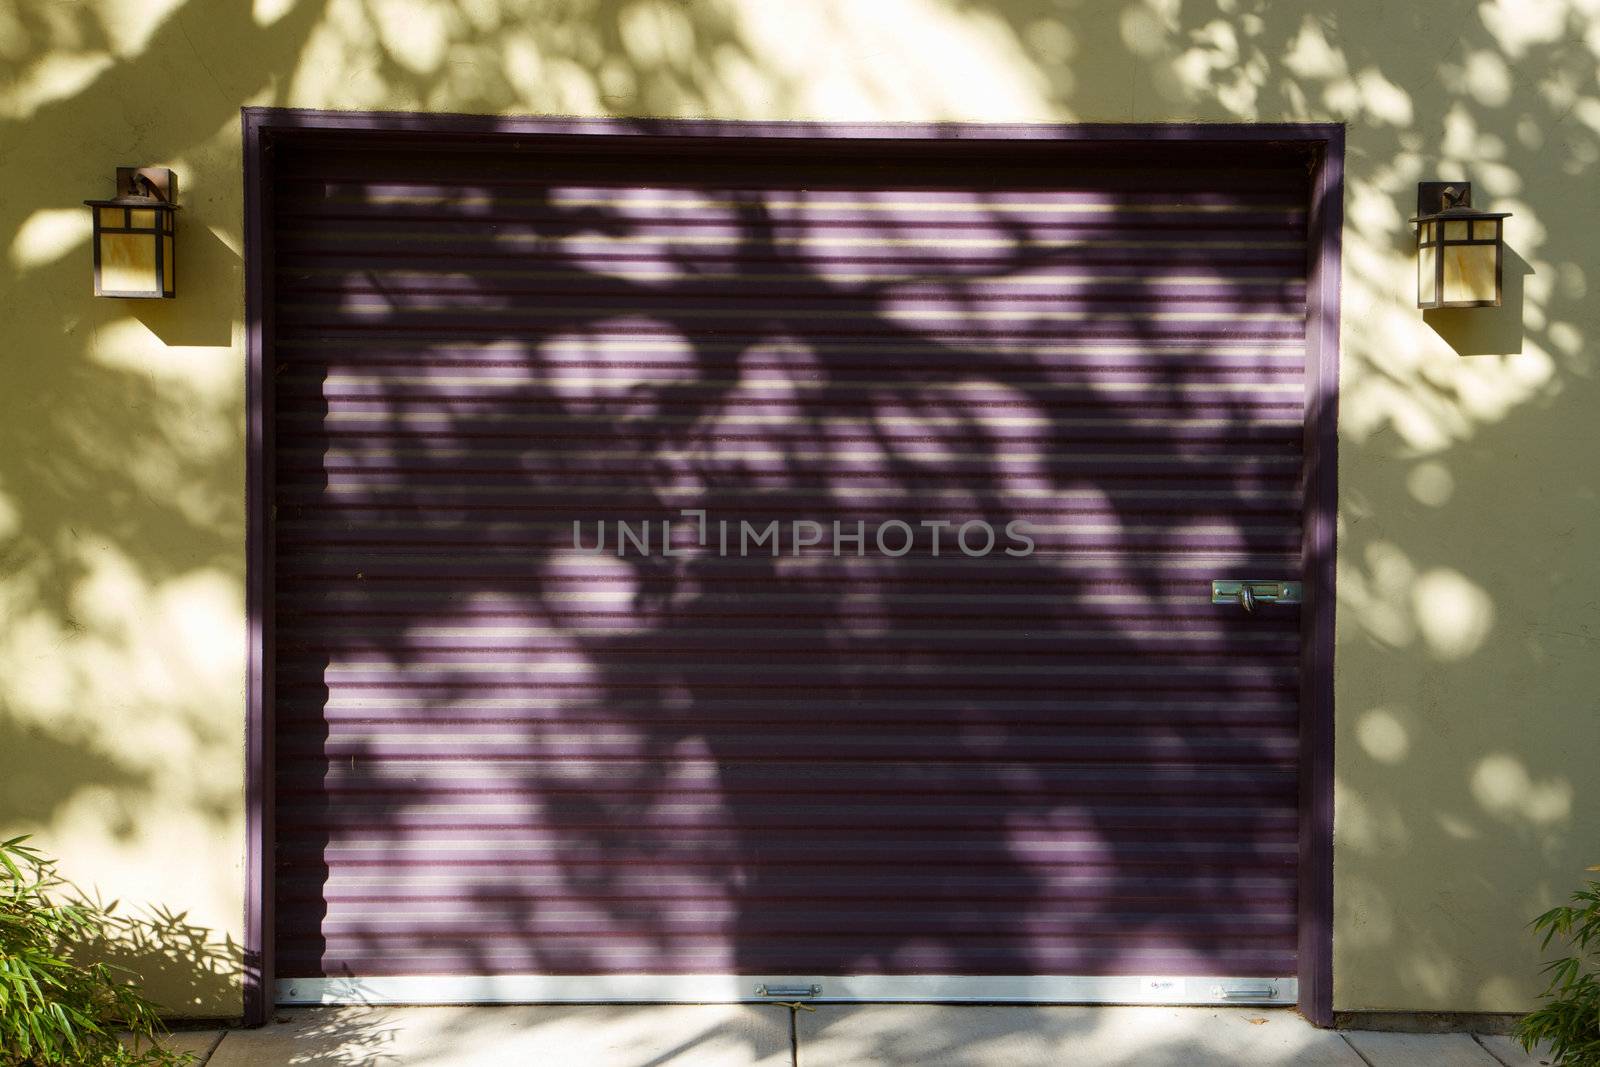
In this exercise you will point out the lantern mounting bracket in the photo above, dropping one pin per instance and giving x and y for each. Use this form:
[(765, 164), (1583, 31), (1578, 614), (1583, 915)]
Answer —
[(147, 183), (1434, 197)]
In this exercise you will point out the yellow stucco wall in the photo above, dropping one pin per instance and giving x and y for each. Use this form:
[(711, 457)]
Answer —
[(1468, 664)]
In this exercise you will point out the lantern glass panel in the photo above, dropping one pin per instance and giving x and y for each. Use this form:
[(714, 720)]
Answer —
[(1426, 275), (167, 285), (128, 263), (1427, 232), (112, 216), (1455, 231), (1469, 274), (142, 219)]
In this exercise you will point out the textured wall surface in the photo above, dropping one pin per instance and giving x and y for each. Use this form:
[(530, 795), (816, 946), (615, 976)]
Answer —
[(1469, 586)]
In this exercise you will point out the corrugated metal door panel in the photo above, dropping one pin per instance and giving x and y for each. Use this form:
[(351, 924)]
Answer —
[(499, 755)]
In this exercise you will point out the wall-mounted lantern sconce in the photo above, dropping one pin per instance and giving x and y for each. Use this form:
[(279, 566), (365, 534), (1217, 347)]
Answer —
[(133, 235), (1460, 250)]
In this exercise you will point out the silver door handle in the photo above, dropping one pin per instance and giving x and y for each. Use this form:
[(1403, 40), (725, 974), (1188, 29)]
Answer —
[(1248, 592)]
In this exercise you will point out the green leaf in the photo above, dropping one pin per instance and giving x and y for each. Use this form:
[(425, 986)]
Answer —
[(1569, 1020), (54, 1009)]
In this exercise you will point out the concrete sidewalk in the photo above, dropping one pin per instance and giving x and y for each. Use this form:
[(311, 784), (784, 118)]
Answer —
[(831, 1036)]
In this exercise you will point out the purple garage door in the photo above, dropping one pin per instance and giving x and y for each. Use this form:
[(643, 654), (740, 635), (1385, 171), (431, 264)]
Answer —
[(501, 754)]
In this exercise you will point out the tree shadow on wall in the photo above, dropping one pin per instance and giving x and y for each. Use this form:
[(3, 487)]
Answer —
[(192, 967)]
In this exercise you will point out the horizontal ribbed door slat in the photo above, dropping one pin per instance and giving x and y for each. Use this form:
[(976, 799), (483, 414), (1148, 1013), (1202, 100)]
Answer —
[(496, 754)]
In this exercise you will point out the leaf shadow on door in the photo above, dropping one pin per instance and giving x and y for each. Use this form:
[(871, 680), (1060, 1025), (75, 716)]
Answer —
[(541, 760)]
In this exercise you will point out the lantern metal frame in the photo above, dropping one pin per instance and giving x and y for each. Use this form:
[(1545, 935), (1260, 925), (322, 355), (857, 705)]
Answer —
[(151, 189), (1440, 203)]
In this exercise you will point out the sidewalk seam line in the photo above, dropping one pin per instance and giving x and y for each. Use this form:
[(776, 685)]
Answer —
[(1362, 1056), (1477, 1039), (212, 1051)]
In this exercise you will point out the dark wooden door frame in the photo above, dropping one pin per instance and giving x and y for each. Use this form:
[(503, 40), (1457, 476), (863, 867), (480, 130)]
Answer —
[(265, 127)]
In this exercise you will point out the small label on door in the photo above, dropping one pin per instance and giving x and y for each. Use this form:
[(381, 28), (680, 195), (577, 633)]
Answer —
[(1162, 989)]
